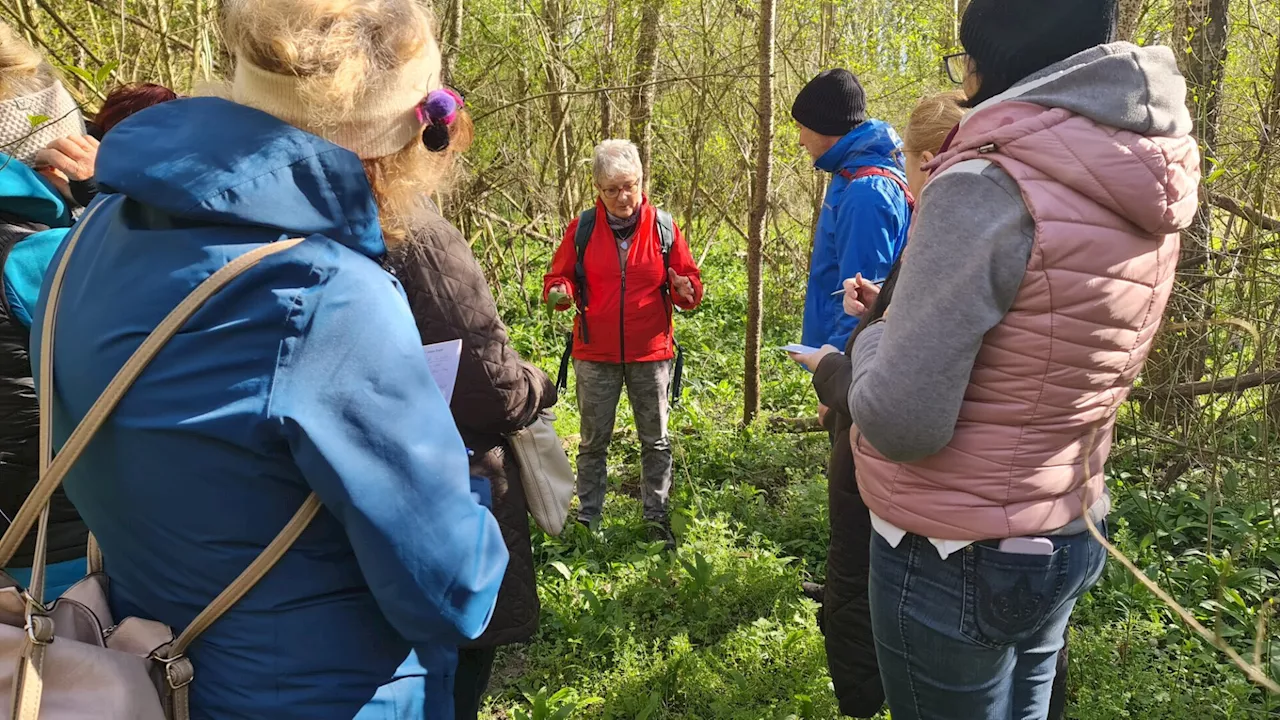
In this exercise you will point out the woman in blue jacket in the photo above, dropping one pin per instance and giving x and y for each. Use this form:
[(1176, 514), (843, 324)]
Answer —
[(305, 374)]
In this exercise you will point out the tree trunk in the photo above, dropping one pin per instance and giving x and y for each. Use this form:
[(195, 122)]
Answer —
[(452, 41), (759, 207), (1268, 145), (557, 105), (1129, 15), (1181, 357), (643, 93), (819, 191), (28, 17), (606, 70)]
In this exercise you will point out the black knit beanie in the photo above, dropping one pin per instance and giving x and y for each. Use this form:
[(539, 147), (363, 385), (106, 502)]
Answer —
[(831, 104), (1011, 39)]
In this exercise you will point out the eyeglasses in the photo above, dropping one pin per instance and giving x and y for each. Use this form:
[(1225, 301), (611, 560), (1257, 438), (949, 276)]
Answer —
[(956, 66), (613, 192)]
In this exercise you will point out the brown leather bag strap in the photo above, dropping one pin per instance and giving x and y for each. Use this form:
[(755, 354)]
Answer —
[(242, 585)]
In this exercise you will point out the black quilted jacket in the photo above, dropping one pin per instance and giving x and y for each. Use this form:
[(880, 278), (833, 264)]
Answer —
[(496, 393), (20, 427)]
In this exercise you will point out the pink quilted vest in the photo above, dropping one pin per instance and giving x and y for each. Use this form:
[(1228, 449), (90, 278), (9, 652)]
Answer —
[(1035, 428)]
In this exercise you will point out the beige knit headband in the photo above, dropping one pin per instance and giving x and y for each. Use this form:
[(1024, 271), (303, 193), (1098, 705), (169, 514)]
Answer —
[(383, 123)]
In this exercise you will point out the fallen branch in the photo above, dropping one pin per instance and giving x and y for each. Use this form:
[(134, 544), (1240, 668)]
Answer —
[(1239, 383), (526, 229), (1240, 210), (797, 426)]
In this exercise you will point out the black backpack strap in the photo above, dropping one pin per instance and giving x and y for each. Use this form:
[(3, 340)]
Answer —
[(667, 240), (581, 238), (562, 379), (677, 375), (666, 236), (586, 226)]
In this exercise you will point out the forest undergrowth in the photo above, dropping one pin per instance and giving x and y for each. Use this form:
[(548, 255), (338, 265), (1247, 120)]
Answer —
[(720, 629)]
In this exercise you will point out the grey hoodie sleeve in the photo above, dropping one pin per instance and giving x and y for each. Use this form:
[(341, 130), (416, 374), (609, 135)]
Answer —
[(963, 266)]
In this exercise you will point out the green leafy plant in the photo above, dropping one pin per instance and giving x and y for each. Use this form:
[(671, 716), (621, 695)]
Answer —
[(560, 705), (94, 79)]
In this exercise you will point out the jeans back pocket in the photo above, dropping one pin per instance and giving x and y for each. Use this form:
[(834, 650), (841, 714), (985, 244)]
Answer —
[(1008, 596)]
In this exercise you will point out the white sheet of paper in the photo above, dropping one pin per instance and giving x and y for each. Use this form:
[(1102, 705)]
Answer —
[(442, 359), (799, 349)]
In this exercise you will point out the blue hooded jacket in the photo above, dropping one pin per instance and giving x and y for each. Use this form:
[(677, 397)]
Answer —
[(304, 374), (24, 194), (862, 228)]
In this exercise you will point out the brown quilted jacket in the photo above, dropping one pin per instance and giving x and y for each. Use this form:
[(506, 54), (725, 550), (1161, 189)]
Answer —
[(496, 393)]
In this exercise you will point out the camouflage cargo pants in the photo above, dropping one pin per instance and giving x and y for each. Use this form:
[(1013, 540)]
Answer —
[(599, 390)]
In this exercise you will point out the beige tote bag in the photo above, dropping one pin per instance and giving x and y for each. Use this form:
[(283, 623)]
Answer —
[(545, 472), (72, 660)]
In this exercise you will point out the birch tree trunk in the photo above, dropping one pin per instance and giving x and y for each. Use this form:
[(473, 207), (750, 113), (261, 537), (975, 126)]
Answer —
[(759, 208)]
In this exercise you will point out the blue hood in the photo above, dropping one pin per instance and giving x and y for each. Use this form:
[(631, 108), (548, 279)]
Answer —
[(214, 162), (861, 230), (25, 194), (874, 143)]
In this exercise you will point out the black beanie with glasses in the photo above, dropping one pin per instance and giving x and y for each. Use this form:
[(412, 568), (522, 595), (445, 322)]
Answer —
[(1011, 39), (833, 103)]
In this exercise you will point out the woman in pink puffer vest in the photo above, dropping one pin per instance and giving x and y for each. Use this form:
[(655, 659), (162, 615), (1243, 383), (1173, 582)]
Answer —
[(1035, 279)]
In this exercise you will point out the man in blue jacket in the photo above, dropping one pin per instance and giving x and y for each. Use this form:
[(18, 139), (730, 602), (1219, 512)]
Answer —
[(867, 208)]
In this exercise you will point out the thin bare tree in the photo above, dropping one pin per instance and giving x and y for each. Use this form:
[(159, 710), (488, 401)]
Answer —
[(759, 208), (1201, 27), (557, 102), (606, 68), (643, 88)]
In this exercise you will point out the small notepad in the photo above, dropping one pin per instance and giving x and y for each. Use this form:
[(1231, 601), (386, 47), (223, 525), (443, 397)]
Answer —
[(442, 359)]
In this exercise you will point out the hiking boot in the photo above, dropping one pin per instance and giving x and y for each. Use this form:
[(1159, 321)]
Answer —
[(660, 531), (813, 591)]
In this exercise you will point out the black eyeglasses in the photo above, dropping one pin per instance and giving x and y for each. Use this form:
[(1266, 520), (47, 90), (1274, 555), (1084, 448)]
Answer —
[(956, 66)]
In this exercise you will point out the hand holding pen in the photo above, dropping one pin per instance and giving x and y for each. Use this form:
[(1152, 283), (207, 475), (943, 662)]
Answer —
[(859, 295)]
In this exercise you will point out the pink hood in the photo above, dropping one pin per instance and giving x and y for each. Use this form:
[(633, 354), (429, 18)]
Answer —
[(1081, 124)]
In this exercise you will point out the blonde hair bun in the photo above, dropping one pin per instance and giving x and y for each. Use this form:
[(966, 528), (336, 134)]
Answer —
[(931, 121)]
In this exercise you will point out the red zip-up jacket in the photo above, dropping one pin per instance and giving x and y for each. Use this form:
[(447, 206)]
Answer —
[(628, 318)]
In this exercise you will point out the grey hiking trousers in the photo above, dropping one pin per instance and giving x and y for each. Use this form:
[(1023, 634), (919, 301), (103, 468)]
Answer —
[(599, 390)]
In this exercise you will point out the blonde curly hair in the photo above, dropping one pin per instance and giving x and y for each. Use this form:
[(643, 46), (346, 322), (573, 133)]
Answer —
[(351, 67), (22, 70)]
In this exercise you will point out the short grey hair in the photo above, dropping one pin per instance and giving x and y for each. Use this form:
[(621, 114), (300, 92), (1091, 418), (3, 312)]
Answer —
[(616, 158)]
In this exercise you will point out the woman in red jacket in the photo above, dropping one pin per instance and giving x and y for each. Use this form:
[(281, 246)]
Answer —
[(625, 281)]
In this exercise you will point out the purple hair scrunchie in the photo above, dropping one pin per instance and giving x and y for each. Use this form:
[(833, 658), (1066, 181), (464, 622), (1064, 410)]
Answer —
[(437, 111)]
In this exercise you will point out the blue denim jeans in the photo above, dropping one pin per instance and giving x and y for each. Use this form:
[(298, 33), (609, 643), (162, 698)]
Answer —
[(975, 636)]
